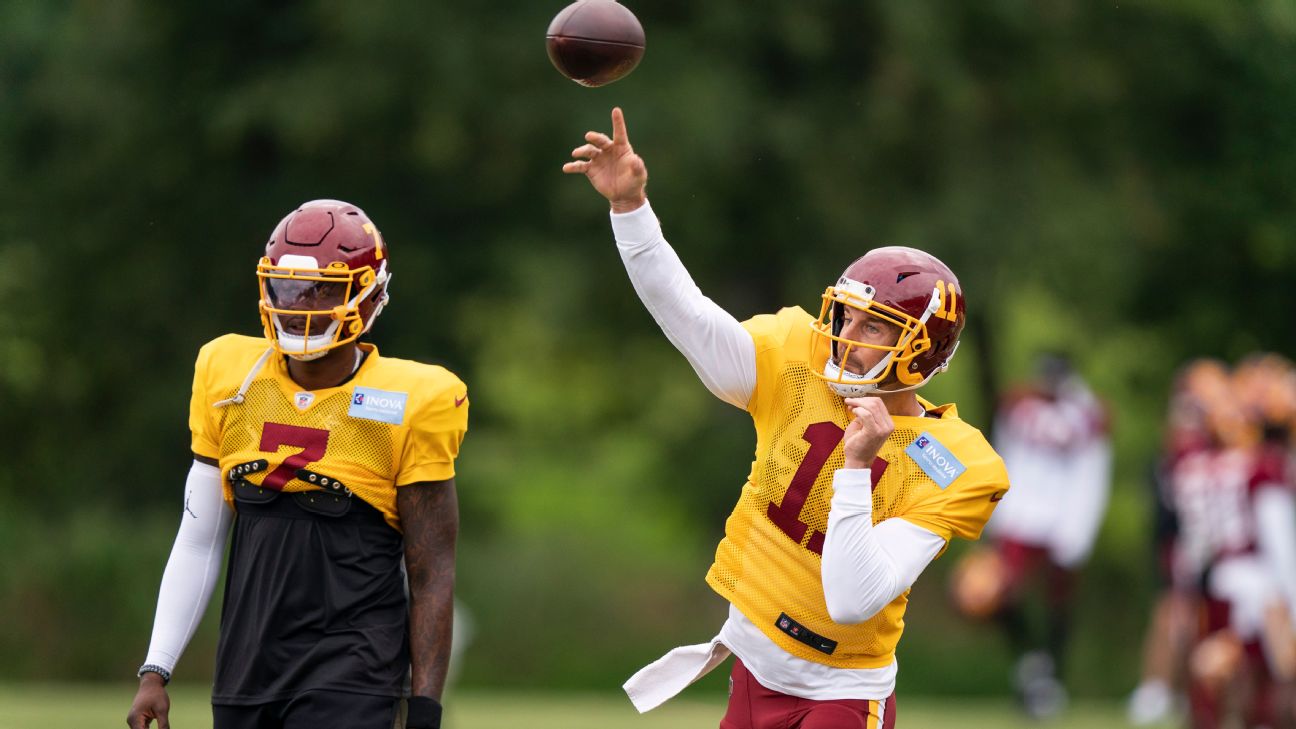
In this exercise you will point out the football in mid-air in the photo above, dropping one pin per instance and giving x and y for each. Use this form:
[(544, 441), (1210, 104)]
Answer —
[(595, 42)]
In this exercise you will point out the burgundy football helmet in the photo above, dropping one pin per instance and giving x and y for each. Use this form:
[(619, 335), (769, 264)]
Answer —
[(323, 278), (903, 286)]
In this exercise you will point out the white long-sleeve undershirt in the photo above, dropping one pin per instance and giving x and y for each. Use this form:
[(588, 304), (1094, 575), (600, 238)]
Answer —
[(865, 567), (713, 341), (194, 566)]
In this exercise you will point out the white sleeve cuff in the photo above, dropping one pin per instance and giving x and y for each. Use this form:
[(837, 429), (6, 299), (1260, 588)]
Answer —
[(637, 227), (852, 491)]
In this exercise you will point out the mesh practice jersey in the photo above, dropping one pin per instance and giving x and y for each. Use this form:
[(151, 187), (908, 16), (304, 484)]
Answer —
[(937, 472), (394, 423), (1214, 492)]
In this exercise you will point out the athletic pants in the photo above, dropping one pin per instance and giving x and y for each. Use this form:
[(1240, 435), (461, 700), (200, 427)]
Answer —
[(752, 706)]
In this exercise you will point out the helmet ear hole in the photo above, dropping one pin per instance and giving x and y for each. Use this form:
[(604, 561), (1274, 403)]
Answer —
[(371, 301)]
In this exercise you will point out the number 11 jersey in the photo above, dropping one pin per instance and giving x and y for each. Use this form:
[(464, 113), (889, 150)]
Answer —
[(937, 472)]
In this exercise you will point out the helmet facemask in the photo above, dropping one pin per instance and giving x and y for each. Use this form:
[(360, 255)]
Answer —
[(912, 340), (308, 311)]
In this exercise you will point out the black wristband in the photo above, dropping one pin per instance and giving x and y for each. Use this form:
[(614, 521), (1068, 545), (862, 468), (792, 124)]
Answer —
[(424, 712)]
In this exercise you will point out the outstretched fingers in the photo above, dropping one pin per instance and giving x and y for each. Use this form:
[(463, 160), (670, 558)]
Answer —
[(584, 154), (619, 133)]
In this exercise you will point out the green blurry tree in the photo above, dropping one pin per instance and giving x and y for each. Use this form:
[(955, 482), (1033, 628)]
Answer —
[(1112, 179)]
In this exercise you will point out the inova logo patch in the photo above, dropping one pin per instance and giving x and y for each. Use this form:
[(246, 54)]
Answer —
[(935, 460), (380, 405)]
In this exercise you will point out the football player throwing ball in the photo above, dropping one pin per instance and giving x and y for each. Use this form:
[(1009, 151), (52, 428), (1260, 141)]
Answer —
[(858, 483)]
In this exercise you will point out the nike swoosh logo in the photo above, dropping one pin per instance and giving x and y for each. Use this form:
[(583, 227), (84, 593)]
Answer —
[(997, 496), (461, 400)]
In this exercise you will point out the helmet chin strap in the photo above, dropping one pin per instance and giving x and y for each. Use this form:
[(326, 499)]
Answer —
[(847, 388), (359, 355), (848, 384), (307, 357), (295, 345)]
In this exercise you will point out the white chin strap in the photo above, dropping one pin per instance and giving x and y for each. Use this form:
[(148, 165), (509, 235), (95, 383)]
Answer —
[(853, 385), (295, 345)]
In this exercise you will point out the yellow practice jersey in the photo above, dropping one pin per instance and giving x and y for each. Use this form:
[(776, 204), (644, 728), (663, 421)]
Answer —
[(394, 423), (937, 472)]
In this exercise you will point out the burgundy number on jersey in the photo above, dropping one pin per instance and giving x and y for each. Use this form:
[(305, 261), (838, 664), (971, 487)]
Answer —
[(312, 441), (823, 439)]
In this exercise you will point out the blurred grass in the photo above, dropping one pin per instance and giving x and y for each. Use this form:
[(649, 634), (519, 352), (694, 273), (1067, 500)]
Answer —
[(54, 706)]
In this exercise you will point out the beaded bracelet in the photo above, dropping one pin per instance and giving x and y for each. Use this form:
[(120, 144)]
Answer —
[(154, 668)]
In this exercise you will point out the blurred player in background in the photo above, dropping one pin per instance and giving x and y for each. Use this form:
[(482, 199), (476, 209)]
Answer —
[(1245, 662), (333, 465), (857, 485), (1235, 546), (1173, 623), (1053, 436)]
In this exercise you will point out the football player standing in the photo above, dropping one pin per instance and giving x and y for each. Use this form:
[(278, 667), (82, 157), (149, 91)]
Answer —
[(1053, 434), (331, 464), (857, 485), (1174, 619)]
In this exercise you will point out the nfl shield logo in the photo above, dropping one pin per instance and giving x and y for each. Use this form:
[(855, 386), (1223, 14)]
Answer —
[(303, 400)]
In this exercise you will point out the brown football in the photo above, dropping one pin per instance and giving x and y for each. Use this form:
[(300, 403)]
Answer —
[(595, 42)]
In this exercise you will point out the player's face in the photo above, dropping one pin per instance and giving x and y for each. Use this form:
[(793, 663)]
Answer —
[(859, 326), (307, 296)]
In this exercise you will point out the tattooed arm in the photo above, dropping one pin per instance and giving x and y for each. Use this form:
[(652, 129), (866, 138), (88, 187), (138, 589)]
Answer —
[(429, 514)]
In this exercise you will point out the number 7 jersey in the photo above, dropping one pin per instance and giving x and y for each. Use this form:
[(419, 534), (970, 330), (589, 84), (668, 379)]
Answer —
[(937, 472), (393, 423)]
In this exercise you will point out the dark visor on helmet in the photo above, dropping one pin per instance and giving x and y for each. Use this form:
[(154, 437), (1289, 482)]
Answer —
[(306, 294)]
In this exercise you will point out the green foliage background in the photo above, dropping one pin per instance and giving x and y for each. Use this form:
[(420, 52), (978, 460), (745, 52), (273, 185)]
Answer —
[(1112, 179)]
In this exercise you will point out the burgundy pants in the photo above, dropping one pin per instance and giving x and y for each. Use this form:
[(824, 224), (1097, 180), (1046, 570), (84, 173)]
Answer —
[(752, 706)]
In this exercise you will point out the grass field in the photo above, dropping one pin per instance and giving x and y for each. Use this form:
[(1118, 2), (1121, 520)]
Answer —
[(47, 706)]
